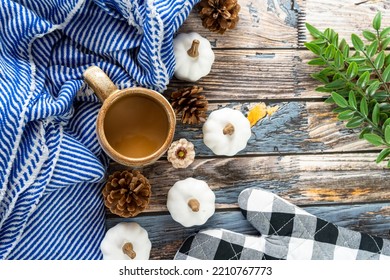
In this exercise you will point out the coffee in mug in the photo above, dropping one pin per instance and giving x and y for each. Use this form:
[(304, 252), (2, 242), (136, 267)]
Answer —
[(135, 126)]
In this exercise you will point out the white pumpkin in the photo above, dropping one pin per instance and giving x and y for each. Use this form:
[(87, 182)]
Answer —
[(191, 202), (194, 56), (126, 241), (226, 131)]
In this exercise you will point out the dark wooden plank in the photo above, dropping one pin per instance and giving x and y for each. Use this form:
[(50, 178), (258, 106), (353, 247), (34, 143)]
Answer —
[(345, 17), (303, 179), (297, 127), (263, 24), (166, 235), (258, 74)]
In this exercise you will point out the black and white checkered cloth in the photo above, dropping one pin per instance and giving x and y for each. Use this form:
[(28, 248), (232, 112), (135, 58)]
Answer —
[(287, 232)]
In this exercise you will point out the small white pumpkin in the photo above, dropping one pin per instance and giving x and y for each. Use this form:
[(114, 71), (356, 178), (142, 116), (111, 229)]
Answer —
[(226, 131), (191, 202), (194, 56), (126, 241)]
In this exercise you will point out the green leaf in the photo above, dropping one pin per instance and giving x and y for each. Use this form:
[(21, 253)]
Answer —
[(328, 34), (346, 51), (313, 48), (373, 139), (327, 72), (335, 38), (385, 107), (365, 131), (387, 134), (339, 100), (338, 110), (383, 117), (372, 49), (386, 123), (356, 59), (338, 60), (344, 48), (387, 60), (386, 74), (354, 123), (346, 115), (313, 31), (319, 77), (357, 42), (319, 42), (385, 32), (330, 52), (376, 114), (376, 23), (385, 43), (323, 89), (352, 100), (329, 100), (369, 35), (382, 155), (336, 84), (380, 96), (365, 68), (364, 107), (317, 61), (380, 60), (373, 88), (352, 70), (363, 79)]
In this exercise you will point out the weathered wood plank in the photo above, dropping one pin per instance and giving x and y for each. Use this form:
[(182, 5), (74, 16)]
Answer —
[(166, 235), (345, 17), (263, 24), (297, 127), (258, 74), (303, 179)]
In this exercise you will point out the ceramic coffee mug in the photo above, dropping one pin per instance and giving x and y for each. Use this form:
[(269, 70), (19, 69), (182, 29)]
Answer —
[(135, 126)]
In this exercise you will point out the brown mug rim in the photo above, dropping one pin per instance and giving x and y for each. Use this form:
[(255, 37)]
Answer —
[(136, 91)]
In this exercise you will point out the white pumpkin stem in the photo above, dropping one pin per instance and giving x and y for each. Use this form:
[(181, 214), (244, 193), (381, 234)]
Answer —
[(193, 51), (194, 204), (128, 250), (228, 129)]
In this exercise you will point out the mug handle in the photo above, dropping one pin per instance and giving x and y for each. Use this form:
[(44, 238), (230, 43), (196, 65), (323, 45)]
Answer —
[(100, 83)]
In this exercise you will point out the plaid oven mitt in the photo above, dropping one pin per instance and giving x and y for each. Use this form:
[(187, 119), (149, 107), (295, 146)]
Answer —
[(287, 232)]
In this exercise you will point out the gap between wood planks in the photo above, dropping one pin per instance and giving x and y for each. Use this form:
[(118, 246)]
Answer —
[(235, 208)]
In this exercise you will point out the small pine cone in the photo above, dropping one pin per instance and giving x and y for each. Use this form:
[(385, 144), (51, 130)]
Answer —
[(191, 104), (219, 15), (127, 193)]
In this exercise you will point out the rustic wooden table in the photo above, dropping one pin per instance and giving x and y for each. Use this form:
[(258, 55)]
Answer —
[(302, 153)]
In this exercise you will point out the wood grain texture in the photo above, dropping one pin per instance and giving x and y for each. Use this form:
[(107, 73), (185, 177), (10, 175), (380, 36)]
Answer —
[(302, 153), (345, 17), (166, 235), (303, 179), (258, 75), (262, 24), (297, 127)]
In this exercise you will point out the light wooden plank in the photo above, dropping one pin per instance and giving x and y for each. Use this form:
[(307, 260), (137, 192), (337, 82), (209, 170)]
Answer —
[(166, 235), (297, 127), (345, 17), (258, 74), (303, 179), (262, 24)]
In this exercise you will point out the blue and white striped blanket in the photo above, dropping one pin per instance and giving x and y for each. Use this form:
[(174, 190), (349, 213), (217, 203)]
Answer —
[(51, 164)]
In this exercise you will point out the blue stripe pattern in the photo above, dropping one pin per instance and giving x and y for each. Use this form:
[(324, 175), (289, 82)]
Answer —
[(52, 167)]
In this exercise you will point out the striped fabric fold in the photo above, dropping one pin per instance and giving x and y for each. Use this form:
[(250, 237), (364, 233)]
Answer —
[(51, 164)]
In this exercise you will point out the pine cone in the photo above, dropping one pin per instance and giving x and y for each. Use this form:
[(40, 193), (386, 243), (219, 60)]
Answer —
[(219, 15), (191, 104), (127, 193)]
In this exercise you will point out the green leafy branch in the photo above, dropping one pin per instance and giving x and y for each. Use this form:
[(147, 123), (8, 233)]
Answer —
[(358, 80)]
